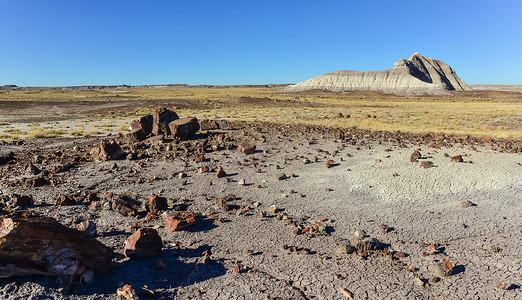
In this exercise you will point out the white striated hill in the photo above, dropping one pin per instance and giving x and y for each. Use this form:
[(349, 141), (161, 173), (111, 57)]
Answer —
[(417, 74)]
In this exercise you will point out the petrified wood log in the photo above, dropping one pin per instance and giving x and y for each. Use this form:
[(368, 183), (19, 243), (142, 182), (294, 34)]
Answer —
[(42, 246)]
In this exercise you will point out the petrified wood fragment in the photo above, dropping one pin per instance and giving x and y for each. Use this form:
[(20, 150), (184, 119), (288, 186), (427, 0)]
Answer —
[(179, 220), (42, 246), (143, 243)]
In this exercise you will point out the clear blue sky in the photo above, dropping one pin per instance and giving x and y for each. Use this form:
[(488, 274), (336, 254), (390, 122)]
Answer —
[(98, 42)]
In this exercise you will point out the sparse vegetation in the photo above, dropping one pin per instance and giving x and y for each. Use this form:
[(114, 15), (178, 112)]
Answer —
[(44, 133), (493, 114)]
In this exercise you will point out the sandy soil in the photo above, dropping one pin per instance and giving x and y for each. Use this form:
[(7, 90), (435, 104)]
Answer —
[(371, 183)]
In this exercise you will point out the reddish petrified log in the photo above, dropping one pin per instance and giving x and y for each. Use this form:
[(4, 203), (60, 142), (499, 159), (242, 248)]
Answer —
[(161, 119), (179, 220), (42, 246), (144, 243), (184, 128)]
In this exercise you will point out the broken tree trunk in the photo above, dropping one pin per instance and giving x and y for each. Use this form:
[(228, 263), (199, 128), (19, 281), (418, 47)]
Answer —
[(42, 246)]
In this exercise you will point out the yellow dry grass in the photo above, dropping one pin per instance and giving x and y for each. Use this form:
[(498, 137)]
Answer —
[(493, 114)]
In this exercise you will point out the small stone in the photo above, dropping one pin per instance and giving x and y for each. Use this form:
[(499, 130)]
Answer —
[(457, 158), (467, 203), (182, 175), (415, 156), (88, 227), (444, 268), (281, 176), (220, 172), (242, 182), (426, 164), (346, 249), (329, 163), (504, 285)]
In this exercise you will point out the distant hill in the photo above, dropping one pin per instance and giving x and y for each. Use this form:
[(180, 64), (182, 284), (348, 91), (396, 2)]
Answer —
[(415, 75)]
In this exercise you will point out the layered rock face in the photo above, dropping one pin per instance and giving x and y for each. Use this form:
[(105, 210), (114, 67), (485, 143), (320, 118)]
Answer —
[(415, 75)]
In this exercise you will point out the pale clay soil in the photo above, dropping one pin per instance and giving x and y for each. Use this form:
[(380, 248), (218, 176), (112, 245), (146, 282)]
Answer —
[(423, 206)]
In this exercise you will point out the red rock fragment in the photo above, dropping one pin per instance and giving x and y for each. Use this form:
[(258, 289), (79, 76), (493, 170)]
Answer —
[(220, 172), (415, 156), (203, 169), (144, 243), (179, 220), (247, 149), (65, 200), (329, 163), (457, 158), (426, 164), (157, 204)]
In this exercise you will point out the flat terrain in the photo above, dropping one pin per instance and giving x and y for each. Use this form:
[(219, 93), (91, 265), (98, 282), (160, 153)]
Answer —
[(39, 112), (260, 247)]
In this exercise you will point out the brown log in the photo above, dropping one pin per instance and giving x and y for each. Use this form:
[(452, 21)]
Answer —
[(42, 246)]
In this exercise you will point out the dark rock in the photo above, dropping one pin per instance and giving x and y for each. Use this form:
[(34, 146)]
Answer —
[(136, 135), (157, 204), (184, 128), (125, 205), (23, 201), (5, 158), (143, 123), (220, 172), (208, 125), (247, 148), (107, 150), (161, 119), (144, 243), (65, 200), (32, 170)]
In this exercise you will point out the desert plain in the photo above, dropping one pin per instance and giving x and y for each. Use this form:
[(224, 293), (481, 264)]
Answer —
[(327, 195)]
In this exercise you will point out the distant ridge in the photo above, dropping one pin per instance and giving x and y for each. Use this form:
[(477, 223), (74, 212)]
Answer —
[(415, 75)]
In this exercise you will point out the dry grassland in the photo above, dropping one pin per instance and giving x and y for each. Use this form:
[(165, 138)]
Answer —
[(482, 113)]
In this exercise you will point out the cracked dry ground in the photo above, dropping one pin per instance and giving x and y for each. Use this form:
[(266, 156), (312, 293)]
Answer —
[(371, 182)]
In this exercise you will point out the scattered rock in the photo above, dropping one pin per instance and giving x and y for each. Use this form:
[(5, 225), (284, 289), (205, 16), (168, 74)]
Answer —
[(179, 220), (346, 249), (144, 243), (65, 200), (426, 164), (369, 244), (444, 268), (329, 163), (281, 176), (5, 158), (125, 205), (23, 201), (221, 204), (220, 172), (467, 203), (87, 227), (457, 158), (107, 150), (504, 285), (415, 156), (157, 204), (247, 148)]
